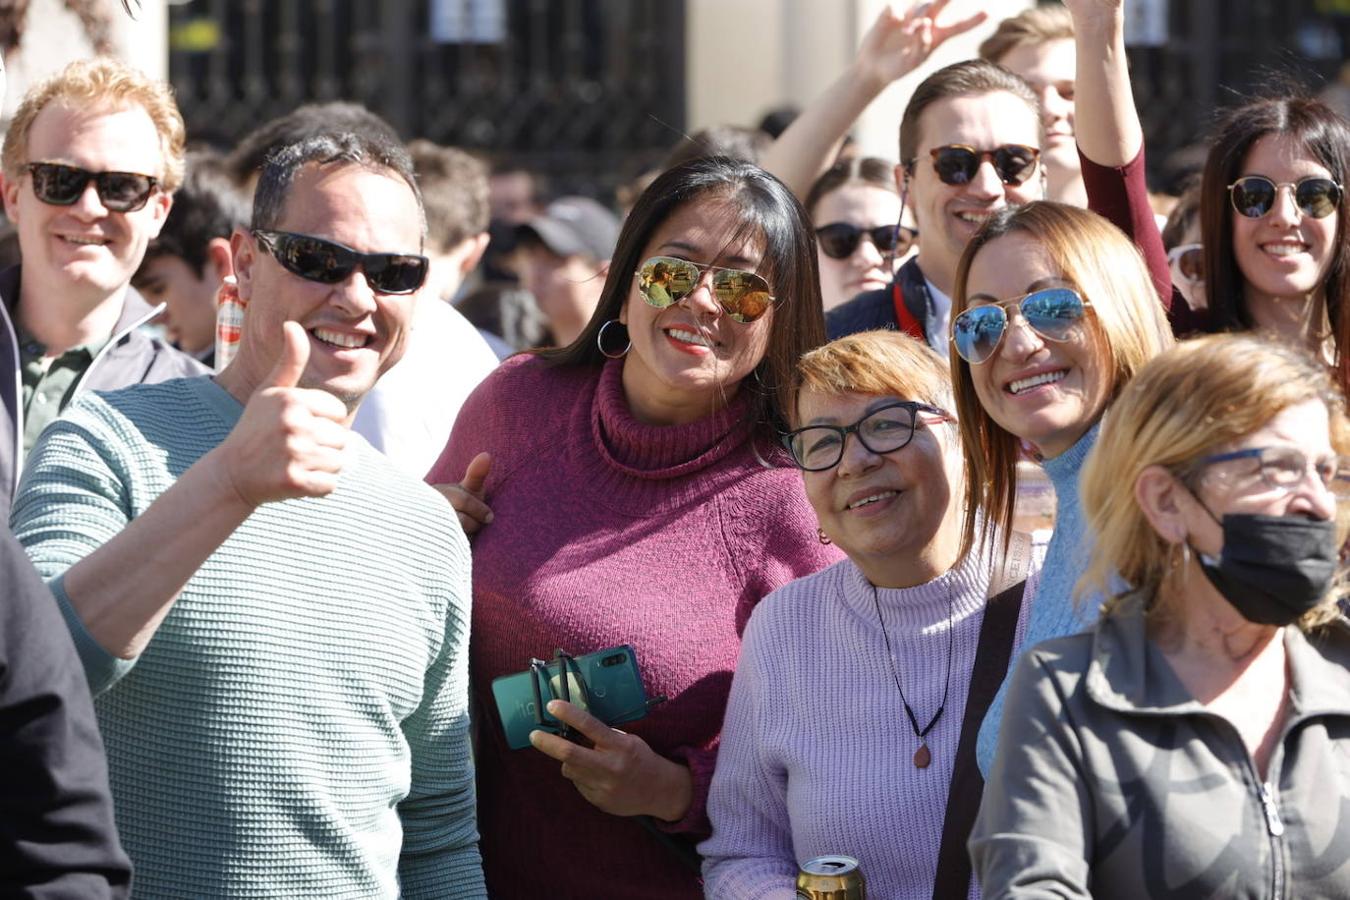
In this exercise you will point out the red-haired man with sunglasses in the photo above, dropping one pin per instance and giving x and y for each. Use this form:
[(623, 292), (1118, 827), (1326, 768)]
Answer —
[(90, 161)]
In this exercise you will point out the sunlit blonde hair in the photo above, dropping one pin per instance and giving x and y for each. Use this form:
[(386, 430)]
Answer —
[(1192, 400), (102, 84), (1128, 321), (1037, 25), (875, 363)]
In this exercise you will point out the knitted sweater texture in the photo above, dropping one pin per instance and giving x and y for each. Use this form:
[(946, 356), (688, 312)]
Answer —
[(607, 531), (817, 752), (297, 727), (1053, 612)]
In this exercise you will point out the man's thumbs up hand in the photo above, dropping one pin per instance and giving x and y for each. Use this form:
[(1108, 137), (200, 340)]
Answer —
[(294, 356), (289, 441)]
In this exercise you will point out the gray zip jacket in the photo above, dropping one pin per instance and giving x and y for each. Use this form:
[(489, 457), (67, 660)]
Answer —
[(1111, 781), (130, 357)]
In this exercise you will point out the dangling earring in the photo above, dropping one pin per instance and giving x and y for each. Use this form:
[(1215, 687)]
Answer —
[(822, 537), (600, 340)]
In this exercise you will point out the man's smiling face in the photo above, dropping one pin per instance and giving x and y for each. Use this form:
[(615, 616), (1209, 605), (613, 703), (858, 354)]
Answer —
[(86, 250), (949, 215)]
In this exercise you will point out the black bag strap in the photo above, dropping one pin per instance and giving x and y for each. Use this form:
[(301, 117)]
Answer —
[(683, 849), (992, 656)]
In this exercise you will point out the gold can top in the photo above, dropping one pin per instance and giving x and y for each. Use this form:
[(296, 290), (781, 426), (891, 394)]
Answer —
[(831, 878)]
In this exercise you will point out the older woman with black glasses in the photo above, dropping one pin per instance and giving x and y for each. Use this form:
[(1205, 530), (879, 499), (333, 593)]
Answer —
[(628, 489), (859, 688), (1195, 742)]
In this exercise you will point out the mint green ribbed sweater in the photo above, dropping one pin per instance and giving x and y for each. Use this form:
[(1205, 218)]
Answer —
[(297, 727)]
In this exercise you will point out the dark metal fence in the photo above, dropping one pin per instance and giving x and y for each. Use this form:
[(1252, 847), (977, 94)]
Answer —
[(1221, 52), (586, 92)]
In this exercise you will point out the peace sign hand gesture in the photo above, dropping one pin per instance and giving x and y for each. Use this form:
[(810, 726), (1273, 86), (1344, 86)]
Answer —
[(898, 44)]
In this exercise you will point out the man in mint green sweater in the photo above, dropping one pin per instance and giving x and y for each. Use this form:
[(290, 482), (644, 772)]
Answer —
[(274, 621)]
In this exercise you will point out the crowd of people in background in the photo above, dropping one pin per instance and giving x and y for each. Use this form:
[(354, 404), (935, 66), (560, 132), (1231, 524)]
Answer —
[(382, 526)]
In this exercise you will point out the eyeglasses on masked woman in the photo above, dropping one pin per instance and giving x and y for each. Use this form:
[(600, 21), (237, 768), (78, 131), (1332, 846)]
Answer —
[(1279, 468)]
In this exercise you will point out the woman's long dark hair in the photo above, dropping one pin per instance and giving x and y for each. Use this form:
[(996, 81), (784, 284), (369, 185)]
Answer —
[(768, 211), (1325, 136)]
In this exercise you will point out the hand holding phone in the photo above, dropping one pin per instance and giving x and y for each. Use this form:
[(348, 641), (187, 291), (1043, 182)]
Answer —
[(606, 684), (617, 772)]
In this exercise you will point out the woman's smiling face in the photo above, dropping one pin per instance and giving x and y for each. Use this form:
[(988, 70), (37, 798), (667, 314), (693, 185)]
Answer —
[(884, 508), (1045, 392), (688, 359), (1286, 252)]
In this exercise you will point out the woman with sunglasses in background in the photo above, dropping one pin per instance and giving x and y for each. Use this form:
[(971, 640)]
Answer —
[(1272, 197), (1054, 312), (1185, 253), (854, 706), (628, 489), (856, 210), (1272, 200), (1194, 743)]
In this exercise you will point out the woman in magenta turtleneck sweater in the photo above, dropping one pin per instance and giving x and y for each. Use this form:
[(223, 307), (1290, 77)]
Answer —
[(634, 492)]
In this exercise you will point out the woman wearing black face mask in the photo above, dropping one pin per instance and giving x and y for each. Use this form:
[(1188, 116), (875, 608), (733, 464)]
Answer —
[(1196, 742)]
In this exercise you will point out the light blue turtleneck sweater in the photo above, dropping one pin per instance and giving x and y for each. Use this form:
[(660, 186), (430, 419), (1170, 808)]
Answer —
[(1053, 611)]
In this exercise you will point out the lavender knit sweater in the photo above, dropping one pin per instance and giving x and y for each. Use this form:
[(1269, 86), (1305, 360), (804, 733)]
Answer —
[(817, 753), (608, 531)]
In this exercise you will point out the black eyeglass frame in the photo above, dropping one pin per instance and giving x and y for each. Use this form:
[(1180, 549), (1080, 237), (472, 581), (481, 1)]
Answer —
[(38, 171), (372, 264), (914, 407)]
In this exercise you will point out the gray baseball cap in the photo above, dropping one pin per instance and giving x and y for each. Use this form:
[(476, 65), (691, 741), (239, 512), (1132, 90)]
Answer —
[(574, 226)]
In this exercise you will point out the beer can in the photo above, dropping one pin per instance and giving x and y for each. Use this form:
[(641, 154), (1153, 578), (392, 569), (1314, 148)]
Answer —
[(831, 878), (229, 322)]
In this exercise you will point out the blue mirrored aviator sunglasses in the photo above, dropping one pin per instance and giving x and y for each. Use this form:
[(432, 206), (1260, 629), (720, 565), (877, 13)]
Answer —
[(1052, 313)]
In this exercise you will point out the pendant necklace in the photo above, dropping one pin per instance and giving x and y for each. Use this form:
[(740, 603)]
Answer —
[(923, 756)]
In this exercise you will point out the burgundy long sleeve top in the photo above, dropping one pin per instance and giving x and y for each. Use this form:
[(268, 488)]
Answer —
[(1120, 194), (608, 531)]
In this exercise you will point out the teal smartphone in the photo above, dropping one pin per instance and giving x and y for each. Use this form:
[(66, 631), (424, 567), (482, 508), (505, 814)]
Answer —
[(607, 684)]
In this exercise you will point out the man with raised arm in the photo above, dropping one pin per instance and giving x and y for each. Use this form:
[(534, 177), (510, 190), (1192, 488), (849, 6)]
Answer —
[(274, 620), (970, 143)]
